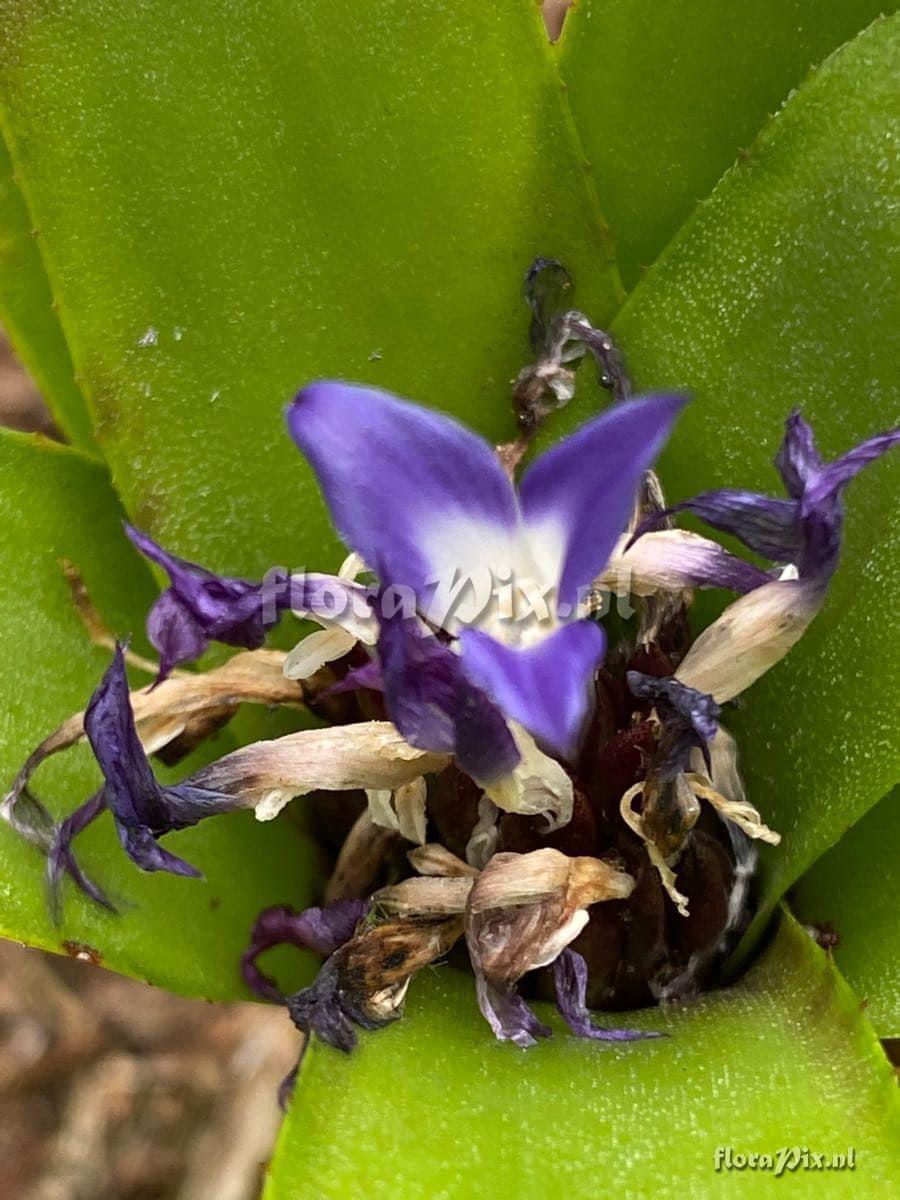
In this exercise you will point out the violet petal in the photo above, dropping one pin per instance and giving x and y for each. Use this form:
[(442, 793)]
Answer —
[(326, 1008), (508, 1015), (411, 490), (545, 687), (368, 676), (827, 483), (570, 976), (200, 607), (690, 717), (317, 1009), (577, 497), (61, 860), (765, 525), (143, 809), (797, 459), (675, 559), (321, 930), (435, 706)]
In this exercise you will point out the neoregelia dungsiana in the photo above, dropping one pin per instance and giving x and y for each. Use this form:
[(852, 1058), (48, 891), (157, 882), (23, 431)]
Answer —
[(523, 737)]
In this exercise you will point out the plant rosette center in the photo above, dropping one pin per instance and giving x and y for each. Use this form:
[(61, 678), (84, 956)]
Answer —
[(522, 766)]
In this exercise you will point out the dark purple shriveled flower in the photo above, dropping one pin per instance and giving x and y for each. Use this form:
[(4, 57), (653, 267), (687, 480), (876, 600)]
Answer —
[(321, 930), (143, 809), (570, 979), (200, 607), (689, 717), (508, 1015), (804, 530), (328, 1009), (61, 860)]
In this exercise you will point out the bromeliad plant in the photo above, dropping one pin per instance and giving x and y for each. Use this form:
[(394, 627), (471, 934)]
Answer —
[(529, 753)]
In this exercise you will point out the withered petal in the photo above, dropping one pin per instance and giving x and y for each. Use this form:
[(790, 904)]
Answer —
[(570, 977)]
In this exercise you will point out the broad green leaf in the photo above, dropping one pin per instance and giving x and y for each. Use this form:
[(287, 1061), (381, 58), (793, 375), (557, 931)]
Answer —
[(240, 198), (28, 316), (784, 290), (186, 935), (853, 889), (432, 1106), (666, 96)]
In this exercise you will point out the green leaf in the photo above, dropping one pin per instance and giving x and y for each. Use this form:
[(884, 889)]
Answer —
[(665, 96), (853, 888), (433, 1106), (183, 934), (27, 307), (784, 289), (247, 197)]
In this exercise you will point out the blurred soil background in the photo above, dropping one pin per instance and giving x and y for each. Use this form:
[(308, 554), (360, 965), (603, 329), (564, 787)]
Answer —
[(110, 1089)]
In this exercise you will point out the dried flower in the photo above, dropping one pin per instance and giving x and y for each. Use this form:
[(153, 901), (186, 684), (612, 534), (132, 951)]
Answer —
[(554, 812)]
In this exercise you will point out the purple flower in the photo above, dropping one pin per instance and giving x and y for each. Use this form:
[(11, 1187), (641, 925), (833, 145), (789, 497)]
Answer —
[(804, 530), (570, 979), (493, 572), (200, 607), (321, 930), (143, 809), (689, 718)]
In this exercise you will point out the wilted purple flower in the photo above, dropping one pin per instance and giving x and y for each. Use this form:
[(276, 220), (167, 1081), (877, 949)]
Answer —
[(321, 930), (199, 607), (142, 807), (570, 977), (803, 534), (804, 530), (689, 718)]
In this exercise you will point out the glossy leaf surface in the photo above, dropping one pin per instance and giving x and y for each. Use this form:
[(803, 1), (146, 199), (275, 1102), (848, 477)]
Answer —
[(183, 934), (852, 891), (666, 96), (238, 199), (433, 1106)]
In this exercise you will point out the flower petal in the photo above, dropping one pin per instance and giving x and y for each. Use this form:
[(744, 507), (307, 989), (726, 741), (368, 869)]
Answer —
[(673, 560), (420, 497), (201, 607), (365, 981), (60, 858), (266, 775), (434, 704), (175, 632), (750, 637), (321, 930), (335, 602), (508, 1015), (689, 717), (536, 785), (316, 650), (570, 976), (546, 687), (577, 497), (143, 809), (797, 459), (766, 525), (832, 478)]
